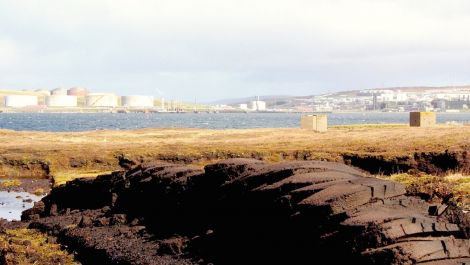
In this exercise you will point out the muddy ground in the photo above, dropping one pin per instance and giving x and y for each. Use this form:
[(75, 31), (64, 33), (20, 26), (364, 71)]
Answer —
[(244, 211)]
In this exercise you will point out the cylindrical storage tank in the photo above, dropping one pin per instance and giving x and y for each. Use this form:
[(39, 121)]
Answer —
[(101, 100), (18, 101), (61, 101), (137, 101), (77, 91), (59, 91)]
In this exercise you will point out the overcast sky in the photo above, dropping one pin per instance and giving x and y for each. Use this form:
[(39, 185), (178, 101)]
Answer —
[(213, 49)]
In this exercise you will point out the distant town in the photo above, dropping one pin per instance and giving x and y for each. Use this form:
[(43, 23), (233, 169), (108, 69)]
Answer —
[(402, 99)]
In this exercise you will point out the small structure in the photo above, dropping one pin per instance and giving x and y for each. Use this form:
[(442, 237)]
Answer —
[(137, 101), (317, 123), (101, 100), (422, 119), (20, 101), (78, 91), (61, 101), (59, 91)]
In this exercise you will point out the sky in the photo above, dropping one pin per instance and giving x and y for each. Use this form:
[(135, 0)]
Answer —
[(214, 49)]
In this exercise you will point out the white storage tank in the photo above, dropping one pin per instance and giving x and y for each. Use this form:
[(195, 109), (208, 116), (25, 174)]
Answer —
[(137, 101), (59, 91), (101, 100), (61, 101), (19, 101)]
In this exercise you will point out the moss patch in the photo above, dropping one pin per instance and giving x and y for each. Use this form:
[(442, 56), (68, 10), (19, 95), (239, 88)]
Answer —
[(450, 188), (25, 246)]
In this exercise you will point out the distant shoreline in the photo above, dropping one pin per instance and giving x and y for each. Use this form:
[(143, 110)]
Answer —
[(159, 111)]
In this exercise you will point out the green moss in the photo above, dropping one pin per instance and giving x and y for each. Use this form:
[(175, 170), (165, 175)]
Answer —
[(26, 246)]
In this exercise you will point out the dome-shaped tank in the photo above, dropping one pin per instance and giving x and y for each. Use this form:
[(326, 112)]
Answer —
[(101, 100), (59, 91), (77, 91), (137, 101)]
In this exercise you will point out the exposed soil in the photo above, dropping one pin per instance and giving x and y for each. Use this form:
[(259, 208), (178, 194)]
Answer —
[(31, 168), (437, 163), (244, 211)]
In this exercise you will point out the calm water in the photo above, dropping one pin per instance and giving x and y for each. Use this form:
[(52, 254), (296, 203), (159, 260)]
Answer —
[(13, 203), (96, 121)]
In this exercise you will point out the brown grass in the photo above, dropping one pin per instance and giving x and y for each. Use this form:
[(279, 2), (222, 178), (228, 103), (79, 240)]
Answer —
[(96, 151)]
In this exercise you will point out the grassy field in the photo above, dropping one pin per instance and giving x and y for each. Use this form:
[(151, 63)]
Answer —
[(98, 150), (65, 156)]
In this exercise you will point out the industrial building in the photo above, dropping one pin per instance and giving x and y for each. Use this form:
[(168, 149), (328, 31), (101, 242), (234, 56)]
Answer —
[(258, 105), (101, 100), (137, 101), (61, 101), (19, 101), (78, 91), (243, 106), (59, 91)]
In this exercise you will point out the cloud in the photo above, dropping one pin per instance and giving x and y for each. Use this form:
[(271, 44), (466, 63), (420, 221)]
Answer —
[(212, 49)]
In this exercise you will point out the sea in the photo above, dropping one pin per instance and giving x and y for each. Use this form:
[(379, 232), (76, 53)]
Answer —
[(75, 122)]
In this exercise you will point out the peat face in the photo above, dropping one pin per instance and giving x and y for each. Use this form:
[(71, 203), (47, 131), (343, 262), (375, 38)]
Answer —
[(243, 211)]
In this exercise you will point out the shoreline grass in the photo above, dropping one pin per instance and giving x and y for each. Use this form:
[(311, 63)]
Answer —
[(67, 155)]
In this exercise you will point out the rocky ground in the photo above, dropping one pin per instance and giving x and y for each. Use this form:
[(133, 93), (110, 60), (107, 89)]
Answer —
[(244, 211)]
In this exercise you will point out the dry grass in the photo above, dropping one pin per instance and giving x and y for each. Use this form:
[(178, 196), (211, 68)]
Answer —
[(97, 150), (12, 183), (62, 177), (39, 191)]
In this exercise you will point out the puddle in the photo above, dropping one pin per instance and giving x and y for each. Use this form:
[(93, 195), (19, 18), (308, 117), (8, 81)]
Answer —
[(13, 203)]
